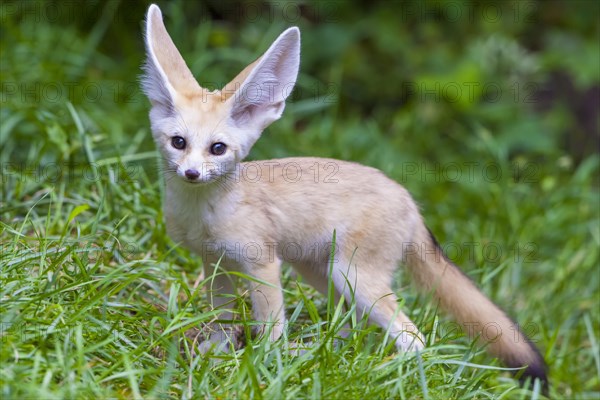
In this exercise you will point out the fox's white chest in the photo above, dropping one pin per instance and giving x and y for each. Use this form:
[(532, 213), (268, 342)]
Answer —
[(194, 219), (186, 219), (184, 226)]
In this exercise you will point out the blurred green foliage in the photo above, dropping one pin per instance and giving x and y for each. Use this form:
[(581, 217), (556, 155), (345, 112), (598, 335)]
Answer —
[(433, 72)]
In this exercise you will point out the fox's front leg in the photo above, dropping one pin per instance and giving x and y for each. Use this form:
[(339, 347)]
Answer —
[(267, 297), (221, 296)]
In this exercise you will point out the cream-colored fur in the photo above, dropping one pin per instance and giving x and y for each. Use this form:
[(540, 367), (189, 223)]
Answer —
[(253, 216)]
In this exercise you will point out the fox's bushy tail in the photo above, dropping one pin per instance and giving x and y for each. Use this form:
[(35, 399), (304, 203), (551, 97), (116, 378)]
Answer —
[(480, 317)]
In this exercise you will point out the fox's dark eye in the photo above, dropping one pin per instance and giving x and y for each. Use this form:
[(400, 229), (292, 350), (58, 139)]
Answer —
[(178, 142), (218, 148)]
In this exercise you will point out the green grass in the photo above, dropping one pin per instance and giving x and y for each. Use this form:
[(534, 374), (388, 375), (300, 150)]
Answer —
[(96, 300)]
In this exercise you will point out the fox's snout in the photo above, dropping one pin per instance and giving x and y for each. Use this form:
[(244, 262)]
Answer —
[(204, 172)]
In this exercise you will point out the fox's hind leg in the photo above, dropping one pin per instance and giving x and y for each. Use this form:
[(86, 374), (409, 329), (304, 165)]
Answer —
[(370, 287)]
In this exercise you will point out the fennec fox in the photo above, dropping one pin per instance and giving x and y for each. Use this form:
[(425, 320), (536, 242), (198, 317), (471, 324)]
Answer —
[(251, 217)]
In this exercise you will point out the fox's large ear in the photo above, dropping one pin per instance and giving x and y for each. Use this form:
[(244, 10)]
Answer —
[(166, 73), (257, 95)]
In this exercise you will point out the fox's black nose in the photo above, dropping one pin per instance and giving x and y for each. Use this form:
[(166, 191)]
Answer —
[(192, 174)]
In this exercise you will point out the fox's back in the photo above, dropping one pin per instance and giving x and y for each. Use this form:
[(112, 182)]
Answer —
[(301, 201)]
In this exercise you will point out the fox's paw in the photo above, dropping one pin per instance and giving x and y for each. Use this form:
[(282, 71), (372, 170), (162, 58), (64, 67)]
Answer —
[(410, 342), (216, 339)]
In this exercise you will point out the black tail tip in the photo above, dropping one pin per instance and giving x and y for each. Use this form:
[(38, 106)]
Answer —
[(535, 372)]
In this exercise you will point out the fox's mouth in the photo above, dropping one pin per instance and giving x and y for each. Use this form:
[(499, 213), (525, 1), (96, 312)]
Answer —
[(199, 181), (195, 181)]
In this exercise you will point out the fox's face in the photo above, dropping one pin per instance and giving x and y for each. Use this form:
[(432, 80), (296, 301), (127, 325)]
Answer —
[(203, 134), (197, 139)]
